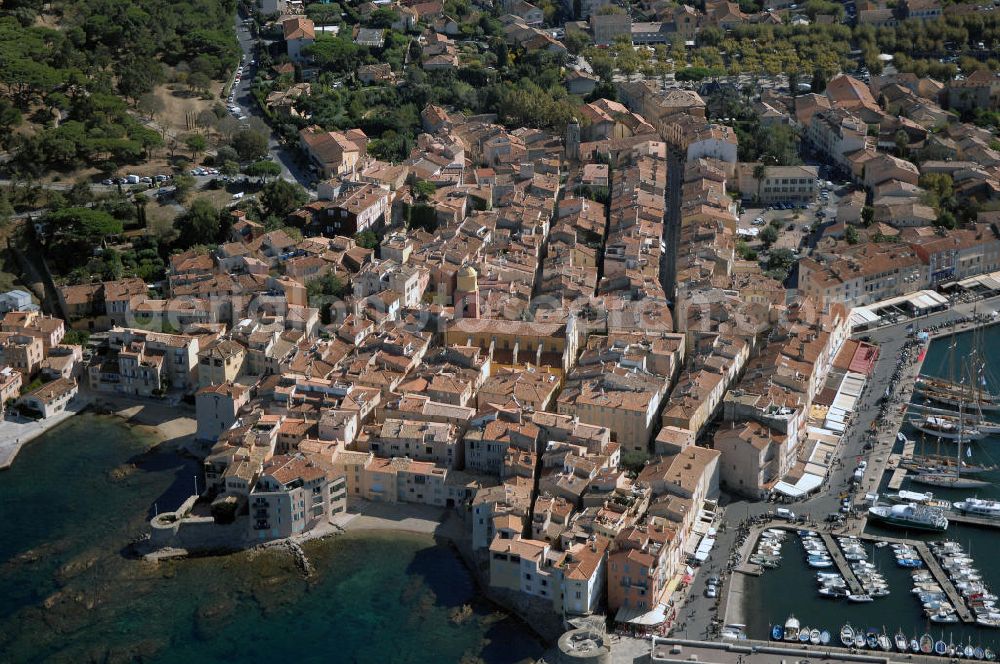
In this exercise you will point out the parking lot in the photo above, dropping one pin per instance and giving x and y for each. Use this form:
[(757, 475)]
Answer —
[(797, 222)]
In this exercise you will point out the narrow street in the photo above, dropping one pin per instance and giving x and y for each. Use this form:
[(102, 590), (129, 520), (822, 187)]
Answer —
[(286, 158)]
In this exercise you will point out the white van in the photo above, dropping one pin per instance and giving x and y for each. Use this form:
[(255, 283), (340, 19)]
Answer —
[(237, 196), (783, 513)]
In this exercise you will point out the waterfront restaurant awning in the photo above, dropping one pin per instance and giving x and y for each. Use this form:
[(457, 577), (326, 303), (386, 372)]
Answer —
[(701, 553), (863, 317), (628, 614), (805, 484)]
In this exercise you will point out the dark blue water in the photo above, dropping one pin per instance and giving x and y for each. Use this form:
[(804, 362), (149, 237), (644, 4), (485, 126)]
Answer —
[(74, 499)]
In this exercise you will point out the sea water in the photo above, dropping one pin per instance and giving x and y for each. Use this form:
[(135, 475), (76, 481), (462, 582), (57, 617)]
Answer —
[(76, 497)]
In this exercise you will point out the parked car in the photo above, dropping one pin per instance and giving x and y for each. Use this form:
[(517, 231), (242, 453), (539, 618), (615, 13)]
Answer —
[(711, 592), (784, 513)]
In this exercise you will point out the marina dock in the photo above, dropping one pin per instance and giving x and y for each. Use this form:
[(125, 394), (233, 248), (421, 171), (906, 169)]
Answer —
[(956, 599), (971, 520), (842, 565), (896, 481)]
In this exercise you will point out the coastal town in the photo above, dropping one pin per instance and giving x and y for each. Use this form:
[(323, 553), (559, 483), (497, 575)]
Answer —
[(613, 325)]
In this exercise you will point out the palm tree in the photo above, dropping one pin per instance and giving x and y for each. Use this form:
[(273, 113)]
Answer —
[(760, 174)]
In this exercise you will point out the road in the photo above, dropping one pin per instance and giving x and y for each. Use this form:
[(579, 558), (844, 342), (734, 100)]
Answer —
[(671, 224), (291, 170)]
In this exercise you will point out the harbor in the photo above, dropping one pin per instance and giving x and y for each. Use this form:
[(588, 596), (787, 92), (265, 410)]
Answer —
[(949, 604)]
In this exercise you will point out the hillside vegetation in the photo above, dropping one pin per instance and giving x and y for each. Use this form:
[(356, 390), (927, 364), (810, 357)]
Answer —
[(69, 96)]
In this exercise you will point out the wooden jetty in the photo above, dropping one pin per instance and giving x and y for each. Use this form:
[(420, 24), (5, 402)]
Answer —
[(972, 520), (842, 565), (896, 481), (956, 599)]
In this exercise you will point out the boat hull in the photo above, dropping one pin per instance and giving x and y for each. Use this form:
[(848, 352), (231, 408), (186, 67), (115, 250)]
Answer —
[(949, 481), (907, 524)]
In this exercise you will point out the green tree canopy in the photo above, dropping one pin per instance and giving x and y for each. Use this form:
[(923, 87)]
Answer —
[(83, 223), (199, 225), (249, 144), (279, 198), (263, 169)]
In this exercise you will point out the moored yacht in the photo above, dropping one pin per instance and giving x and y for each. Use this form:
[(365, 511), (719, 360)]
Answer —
[(979, 507), (911, 515)]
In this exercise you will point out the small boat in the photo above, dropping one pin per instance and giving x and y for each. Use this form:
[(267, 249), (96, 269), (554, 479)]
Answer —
[(872, 640), (943, 617), (777, 632), (859, 639), (940, 647), (978, 653), (900, 639), (791, 629), (883, 642), (968, 651), (804, 635), (851, 597), (833, 593), (824, 637), (914, 645), (989, 654), (814, 636), (926, 644), (847, 635)]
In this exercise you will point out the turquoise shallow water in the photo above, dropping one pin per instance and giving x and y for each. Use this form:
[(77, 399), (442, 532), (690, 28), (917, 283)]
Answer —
[(791, 589), (74, 499)]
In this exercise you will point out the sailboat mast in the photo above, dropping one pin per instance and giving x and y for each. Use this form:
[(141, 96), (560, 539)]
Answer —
[(961, 433)]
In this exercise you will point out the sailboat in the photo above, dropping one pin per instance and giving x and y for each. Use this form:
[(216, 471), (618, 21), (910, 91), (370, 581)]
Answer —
[(952, 478), (944, 426)]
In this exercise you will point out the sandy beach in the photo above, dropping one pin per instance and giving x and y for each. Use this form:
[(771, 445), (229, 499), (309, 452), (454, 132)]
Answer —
[(398, 517), (161, 421)]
